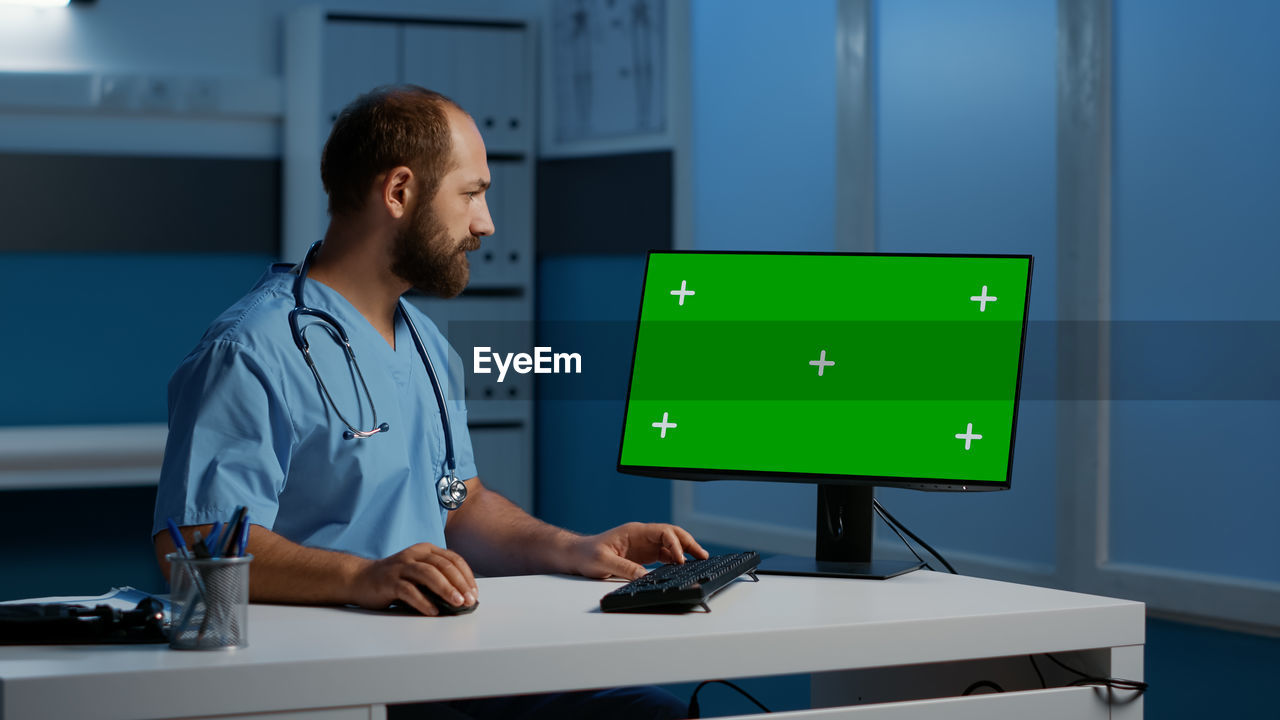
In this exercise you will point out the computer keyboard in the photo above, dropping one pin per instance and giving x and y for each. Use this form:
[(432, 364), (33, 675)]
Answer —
[(677, 588)]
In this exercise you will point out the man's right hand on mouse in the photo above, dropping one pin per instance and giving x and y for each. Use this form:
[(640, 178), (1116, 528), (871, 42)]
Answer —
[(396, 579)]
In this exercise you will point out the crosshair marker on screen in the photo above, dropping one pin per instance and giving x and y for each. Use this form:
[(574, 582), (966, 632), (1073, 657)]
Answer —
[(968, 436), (822, 362), (664, 425), (983, 299), (682, 292)]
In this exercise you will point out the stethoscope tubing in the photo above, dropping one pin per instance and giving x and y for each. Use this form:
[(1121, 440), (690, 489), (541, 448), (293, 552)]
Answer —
[(449, 490)]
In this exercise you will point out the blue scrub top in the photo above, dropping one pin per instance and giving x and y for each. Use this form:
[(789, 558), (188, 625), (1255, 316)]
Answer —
[(249, 425)]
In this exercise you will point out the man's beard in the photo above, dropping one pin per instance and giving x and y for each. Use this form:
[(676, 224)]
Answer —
[(427, 258)]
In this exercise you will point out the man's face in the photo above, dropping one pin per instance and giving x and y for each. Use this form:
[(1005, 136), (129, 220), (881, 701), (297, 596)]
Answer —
[(430, 250)]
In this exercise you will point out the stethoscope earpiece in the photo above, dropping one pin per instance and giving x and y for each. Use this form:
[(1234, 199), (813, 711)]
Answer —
[(350, 434)]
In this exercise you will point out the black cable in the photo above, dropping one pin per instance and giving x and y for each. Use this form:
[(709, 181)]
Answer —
[(696, 712), (1137, 686), (913, 536), (892, 527), (925, 545), (1039, 674), (981, 684)]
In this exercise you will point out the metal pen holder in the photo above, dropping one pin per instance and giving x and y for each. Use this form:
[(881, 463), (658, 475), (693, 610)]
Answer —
[(209, 602)]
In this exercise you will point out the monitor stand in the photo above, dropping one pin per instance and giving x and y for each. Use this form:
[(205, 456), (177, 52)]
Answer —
[(846, 526)]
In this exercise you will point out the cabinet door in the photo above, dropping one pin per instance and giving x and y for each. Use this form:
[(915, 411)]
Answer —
[(504, 258), (505, 326), (502, 456), (486, 270), (358, 56), (512, 105), (482, 69), (517, 256)]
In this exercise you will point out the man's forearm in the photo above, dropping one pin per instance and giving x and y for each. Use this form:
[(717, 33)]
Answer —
[(283, 571), (498, 538)]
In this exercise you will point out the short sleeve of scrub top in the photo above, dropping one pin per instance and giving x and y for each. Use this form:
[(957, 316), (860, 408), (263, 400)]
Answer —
[(229, 440)]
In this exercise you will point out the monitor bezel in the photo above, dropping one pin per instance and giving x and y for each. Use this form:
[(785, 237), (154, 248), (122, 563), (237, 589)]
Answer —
[(913, 483)]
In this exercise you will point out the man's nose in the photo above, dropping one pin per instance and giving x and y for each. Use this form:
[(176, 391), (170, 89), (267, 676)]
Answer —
[(482, 223)]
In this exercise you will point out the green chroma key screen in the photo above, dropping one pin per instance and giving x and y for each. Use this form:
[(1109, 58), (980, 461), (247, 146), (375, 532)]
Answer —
[(892, 369)]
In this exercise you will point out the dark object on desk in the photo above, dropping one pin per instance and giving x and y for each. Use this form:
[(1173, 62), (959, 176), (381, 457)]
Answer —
[(679, 588), (56, 624), (444, 607)]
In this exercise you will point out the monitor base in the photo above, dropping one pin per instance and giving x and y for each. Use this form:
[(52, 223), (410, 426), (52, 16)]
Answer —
[(873, 570)]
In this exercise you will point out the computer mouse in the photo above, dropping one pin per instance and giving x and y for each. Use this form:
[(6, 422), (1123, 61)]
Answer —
[(444, 607)]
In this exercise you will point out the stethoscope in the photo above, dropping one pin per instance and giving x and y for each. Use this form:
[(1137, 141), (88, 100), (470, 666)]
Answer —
[(450, 491)]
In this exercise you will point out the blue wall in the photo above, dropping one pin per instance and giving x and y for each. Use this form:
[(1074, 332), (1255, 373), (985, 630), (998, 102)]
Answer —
[(102, 333), (764, 109), (1196, 179)]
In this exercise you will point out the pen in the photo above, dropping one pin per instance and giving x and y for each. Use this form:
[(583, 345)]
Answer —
[(231, 532), (178, 541), (211, 542), (243, 543)]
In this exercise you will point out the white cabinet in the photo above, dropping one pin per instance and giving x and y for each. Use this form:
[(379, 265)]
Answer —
[(359, 56), (484, 70), (503, 455), (505, 259)]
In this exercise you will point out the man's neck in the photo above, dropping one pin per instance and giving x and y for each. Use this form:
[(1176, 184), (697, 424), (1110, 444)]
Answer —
[(360, 271)]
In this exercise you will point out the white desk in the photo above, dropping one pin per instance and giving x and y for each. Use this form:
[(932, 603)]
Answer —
[(545, 633)]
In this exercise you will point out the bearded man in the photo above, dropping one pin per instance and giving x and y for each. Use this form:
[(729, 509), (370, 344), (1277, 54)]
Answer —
[(341, 456)]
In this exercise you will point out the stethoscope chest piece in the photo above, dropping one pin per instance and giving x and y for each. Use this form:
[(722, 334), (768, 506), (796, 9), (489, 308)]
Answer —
[(451, 491)]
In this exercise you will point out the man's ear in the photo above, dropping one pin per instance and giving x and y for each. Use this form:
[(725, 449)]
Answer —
[(397, 191)]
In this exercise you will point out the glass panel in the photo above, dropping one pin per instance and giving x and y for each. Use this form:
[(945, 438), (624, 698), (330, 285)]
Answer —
[(1197, 166), (966, 118)]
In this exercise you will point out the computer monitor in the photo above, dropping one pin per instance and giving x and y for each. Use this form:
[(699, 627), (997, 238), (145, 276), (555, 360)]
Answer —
[(847, 370)]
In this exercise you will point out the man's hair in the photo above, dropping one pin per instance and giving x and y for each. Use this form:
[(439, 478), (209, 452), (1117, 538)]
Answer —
[(385, 128)]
